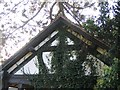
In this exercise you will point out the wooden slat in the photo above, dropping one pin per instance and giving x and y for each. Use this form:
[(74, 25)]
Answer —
[(46, 32), (34, 42), (33, 55), (81, 31), (19, 79), (22, 79)]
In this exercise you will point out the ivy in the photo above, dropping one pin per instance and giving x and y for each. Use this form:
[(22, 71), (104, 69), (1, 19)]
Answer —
[(68, 68)]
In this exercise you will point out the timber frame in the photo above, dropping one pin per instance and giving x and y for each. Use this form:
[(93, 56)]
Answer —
[(29, 51)]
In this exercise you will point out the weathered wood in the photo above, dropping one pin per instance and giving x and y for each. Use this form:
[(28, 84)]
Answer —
[(73, 38), (81, 31), (20, 87), (43, 49), (33, 43), (19, 79), (101, 57), (76, 33), (5, 84), (23, 63), (24, 80), (46, 32), (42, 66), (91, 49), (33, 55), (54, 48)]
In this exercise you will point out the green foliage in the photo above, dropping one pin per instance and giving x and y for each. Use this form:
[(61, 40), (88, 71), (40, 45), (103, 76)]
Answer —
[(71, 73), (106, 24), (109, 79), (68, 68), (111, 75), (107, 29), (91, 27), (103, 27), (117, 24)]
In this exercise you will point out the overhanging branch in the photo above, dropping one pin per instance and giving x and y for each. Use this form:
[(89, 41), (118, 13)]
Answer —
[(51, 9), (72, 15), (28, 19)]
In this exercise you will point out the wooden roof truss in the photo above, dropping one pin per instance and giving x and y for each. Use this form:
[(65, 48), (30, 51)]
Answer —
[(42, 43)]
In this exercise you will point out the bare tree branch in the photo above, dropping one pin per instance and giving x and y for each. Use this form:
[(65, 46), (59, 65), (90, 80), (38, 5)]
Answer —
[(62, 6), (32, 16), (74, 6), (74, 16), (74, 13), (61, 9), (86, 5), (12, 10), (28, 19), (51, 9)]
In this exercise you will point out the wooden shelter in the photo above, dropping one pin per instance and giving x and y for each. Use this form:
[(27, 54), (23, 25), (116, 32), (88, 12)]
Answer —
[(41, 43)]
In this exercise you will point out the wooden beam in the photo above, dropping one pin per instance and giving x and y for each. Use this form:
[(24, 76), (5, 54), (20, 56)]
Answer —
[(33, 43), (33, 55), (91, 49), (42, 49), (46, 32), (98, 55), (41, 63), (20, 87), (49, 41), (74, 38), (23, 63), (66, 47), (83, 32), (19, 79), (22, 79), (5, 79)]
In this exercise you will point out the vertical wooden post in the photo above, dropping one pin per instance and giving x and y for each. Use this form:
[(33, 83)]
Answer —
[(5, 79), (20, 87), (41, 63), (1, 76)]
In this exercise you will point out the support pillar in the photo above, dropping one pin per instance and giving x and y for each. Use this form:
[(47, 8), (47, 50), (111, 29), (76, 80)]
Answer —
[(20, 87), (5, 78)]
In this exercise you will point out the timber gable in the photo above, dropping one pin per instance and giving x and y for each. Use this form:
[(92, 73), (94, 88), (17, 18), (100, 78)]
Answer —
[(42, 42)]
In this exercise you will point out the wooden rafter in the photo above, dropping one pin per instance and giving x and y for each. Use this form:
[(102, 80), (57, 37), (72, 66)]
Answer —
[(46, 32), (74, 32)]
